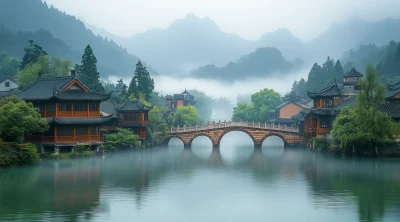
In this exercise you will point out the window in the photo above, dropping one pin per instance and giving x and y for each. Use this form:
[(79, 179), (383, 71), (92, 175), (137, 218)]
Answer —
[(7, 84), (93, 107), (94, 130), (66, 131), (327, 103), (81, 131), (131, 116), (80, 107), (64, 107), (146, 116), (324, 124), (50, 107), (127, 117)]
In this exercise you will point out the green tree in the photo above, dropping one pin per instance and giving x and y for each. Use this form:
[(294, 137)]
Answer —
[(315, 77), (370, 127), (32, 53), (338, 71), (185, 115), (133, 89), (145, 84), (204, 105), (156, 118), (244, 112), (124, 138), (8, 65), (87, 72), (18, 118), (53, 67)]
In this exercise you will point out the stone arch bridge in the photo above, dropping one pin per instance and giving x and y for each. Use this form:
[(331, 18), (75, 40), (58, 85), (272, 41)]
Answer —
[(258, 132)]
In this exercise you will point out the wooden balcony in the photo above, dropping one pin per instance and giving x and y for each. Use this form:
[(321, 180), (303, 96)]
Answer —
[(64, 139), (78, 114), (139, 122)]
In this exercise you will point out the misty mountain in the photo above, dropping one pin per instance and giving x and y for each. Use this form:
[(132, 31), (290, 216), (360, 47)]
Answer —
[(186, 44), (33, 15), (291, 46), (264, 62), (353, 33)]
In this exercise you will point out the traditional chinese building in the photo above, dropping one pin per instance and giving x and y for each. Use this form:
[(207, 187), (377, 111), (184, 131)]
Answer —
[(281, 114), (133, 115), (70, 108), (179, 100), (327, 103)]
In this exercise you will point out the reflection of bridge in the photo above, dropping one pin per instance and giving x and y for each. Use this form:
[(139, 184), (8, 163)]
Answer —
[(257, 131)]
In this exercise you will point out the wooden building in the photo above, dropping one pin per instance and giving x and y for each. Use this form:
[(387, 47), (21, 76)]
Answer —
[(281, 114), (70, 108), (133, 115), (179, 100)]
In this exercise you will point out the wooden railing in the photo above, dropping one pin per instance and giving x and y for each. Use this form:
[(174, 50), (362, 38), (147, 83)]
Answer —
[(219, 125), (63, 139), (78, 114), (125, 122)]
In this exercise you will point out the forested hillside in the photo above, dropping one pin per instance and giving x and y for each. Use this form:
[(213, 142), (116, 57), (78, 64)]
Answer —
[(264, 62), (34, 15)]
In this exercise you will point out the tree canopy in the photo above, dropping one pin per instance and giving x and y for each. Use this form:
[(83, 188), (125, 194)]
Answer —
[(32, 53), (185, 115), (47, 67), (18, 118), (364, 126), (87, 71), (261, 103), (8, 65)]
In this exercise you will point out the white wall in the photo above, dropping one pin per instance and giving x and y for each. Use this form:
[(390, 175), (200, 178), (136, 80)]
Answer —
[(12, 85)]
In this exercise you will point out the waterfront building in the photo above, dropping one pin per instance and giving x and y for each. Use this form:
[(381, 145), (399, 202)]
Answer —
[(179, 100), (133, 115), (281, 114), (71, 109)]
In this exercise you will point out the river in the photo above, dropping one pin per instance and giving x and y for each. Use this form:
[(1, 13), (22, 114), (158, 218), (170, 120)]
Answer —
[(232, 183)]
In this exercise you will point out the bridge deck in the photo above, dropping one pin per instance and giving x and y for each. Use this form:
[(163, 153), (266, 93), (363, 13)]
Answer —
[(222, 125)]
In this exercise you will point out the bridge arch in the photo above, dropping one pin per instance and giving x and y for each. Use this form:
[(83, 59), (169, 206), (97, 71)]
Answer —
[(201, 134), (277, 135), (236, 130), (168, 139)]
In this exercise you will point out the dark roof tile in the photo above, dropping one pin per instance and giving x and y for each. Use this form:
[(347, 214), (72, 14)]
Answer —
[(79, 95), (353, 73), (108, 107), (392, 109), (330, 91), (134, 106), (321, 111)]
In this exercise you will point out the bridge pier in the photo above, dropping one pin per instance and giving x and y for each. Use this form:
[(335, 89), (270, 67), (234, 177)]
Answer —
[(187, 146), (216, 146), (257, 145)]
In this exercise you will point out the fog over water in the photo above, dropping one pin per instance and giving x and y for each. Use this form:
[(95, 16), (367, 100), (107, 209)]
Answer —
[(170, 85)]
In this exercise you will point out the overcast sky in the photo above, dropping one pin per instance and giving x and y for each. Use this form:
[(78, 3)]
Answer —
[(248, 18)]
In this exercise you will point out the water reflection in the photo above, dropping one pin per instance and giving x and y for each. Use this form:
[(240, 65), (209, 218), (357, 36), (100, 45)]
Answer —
[(177, 184)]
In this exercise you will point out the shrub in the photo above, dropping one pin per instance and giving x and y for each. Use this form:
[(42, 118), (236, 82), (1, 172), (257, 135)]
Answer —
[(12, 154), (124, 138), (321, 145)]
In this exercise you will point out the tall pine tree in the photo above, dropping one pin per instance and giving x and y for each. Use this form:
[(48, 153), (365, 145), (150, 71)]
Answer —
[(132, 90), (32, 53), (315, 78), (145, 84), (88, 73), (338, 71)]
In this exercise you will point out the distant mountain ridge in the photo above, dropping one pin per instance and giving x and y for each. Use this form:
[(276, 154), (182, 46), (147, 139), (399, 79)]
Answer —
[(33, 15), (262, 63)]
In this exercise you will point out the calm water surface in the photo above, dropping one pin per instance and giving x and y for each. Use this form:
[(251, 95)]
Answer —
[(233, 183)]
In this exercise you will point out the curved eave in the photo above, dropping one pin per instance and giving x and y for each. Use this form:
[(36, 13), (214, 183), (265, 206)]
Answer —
[(78, 121)]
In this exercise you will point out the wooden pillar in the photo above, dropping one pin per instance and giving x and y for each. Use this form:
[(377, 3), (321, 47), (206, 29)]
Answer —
[(55, 134), (88, 132), (45, 111), (56, 110), (74, 139), (142, 118), (72, 110), (98, 110), (88, 108)]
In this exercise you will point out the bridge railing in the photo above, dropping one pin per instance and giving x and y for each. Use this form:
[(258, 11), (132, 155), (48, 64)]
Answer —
[(221, 125)]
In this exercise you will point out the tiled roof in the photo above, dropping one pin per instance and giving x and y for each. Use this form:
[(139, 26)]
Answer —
[(283, 120), (330, 91), (78, 121), (272, 111), (392, 109), (8, 78), (351, 101), (391, 92), (43, 88), (9, 92), (321, 111), (134, 106), (284, 103), (393, 86), (306, 111), (78, 95), (353, 73), (108, 108), (52, 87), (298, 117)]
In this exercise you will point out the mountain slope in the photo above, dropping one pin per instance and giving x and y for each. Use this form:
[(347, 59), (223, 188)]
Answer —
[(264, 62), (282, 39), (34, 15), (186, 44)]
